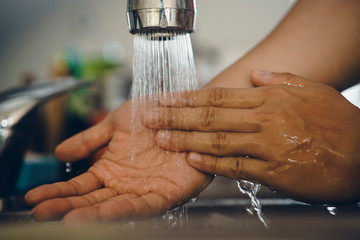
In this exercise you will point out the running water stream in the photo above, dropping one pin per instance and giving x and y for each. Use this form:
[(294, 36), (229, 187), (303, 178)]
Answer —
[(163, 65), (251, 189)]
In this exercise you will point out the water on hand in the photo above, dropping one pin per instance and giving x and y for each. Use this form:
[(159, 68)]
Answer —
[(163, 65)]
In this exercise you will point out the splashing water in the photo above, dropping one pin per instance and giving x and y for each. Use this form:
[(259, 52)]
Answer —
[(251, 189), (176, 218), (332, 210)]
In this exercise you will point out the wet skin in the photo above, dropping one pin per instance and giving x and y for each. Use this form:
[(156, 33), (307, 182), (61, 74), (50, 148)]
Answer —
[(118, 185), (296, 136)]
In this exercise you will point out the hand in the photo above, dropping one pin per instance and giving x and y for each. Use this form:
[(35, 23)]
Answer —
[(133, 178), (296, 136)]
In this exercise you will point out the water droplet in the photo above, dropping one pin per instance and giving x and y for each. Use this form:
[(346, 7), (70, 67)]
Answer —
[(332, 210), (68, 168), (4, 123), (127, 226)]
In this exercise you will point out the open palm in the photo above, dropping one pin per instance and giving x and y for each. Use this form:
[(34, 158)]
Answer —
[(133, 178)]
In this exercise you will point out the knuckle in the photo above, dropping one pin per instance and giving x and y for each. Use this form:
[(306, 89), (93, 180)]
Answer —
[(90, 199), (213, 165), (86, 140), (280, 117), (186, 139), (273, 117), (219, 142), (178, 141), (207, 117), (236, 167), (217, 96), (263, 117), (167, 118)]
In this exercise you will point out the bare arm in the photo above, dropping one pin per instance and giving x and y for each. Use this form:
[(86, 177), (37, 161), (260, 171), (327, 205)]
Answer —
[(317, 39)]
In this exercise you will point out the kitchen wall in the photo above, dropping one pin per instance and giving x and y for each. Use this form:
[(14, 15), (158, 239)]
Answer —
[(32, 32)]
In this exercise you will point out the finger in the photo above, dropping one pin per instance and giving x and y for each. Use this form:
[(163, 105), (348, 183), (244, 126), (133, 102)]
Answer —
[(202, 119), (85, 143), (81, 216), (263, 78), (214, 143), (147, 205), (231, 167), (58, 207), (215, 97), (119, 207), (79, 185)]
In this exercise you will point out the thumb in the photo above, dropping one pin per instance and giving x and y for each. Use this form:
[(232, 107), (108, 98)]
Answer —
[(264, 78), (85, 143)]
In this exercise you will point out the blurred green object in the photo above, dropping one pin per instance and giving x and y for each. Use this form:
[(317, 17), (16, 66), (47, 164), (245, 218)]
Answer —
[(74, 62), (97, 68), (84, 66)]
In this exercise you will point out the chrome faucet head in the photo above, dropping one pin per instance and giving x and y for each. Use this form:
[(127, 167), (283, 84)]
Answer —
[(161, 16)]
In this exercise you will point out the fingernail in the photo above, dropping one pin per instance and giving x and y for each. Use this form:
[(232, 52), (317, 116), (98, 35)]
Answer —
[(195, 157), (152, 116), (261, 73)]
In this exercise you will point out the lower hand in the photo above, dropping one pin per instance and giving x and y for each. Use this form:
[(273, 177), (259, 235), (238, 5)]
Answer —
[(133, 178), (296, 136)]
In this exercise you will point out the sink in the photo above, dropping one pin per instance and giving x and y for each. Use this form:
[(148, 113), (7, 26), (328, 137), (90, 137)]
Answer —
[(207, 219), (219, 213)]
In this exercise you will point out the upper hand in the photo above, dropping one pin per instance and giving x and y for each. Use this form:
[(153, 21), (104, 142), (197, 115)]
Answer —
[(296, 136), (133, 178)]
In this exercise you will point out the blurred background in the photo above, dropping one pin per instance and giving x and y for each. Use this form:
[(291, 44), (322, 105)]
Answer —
[(35, 35), (41, 38), (89, 39)]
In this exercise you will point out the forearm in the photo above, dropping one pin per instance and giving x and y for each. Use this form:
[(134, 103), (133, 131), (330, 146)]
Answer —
[(317, 39)]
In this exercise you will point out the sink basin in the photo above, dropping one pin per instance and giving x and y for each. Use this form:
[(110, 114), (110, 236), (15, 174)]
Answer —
[(207, 219), (220, 213)]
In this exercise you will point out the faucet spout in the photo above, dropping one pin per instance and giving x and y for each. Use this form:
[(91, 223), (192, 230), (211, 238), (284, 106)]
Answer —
[(16, 108), (161, 16)]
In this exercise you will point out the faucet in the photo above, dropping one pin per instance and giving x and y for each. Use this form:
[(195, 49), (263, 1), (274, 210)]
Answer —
[(16, 108), (161, 16)]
